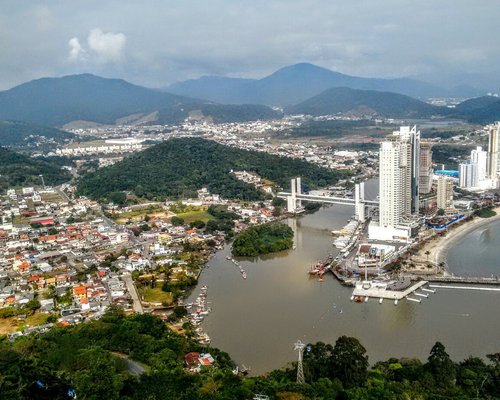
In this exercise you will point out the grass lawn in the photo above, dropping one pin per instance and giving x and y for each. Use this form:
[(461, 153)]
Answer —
[(191, 216), (19, 220), (156, 295), (52, 197), (139, 215), (9, 325), (34, 320)]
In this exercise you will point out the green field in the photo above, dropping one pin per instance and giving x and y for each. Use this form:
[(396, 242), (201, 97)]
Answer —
[(191, 216), (156, 295)]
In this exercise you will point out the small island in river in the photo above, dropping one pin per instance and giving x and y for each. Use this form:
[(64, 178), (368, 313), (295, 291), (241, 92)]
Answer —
[(263, 239)]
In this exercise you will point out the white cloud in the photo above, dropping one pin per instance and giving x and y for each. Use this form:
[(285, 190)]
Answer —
[(76, 51), (108, 46)]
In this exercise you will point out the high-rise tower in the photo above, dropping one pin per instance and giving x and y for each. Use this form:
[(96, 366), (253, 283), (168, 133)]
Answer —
[(425, 178), (493, 150), (398, 184)]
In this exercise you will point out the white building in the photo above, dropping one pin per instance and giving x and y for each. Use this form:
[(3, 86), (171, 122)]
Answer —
[(475, 173), (398, 185), (480, 158), (467, 175), (493, 149)]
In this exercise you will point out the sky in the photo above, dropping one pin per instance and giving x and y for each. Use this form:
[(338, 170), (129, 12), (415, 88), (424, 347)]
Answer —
[(155, 43)]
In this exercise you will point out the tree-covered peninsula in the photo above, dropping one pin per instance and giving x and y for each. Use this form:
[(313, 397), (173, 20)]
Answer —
[(263, 239)]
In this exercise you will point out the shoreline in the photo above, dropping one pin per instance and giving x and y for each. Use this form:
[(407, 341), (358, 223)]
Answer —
[(440, 247)]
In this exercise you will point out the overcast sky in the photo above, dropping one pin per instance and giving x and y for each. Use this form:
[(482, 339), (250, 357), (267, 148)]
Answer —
[(158, 42)]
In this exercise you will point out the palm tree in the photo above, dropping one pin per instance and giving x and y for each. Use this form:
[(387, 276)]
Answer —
[(427, 253)]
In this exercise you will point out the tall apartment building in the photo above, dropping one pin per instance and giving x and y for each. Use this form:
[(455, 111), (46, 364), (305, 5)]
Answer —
[(475, 173), (425, 177), (480, 158), (468, 175), (444, 193), (398, 185), (493, 150)]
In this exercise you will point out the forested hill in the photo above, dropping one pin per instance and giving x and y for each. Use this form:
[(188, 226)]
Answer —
[(20, 170), (58, 101), (343, 99), (97, 360), (23, 134), (179, 167)]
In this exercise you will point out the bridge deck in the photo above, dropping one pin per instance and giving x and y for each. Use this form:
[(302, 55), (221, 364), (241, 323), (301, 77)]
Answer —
[(327, 199)]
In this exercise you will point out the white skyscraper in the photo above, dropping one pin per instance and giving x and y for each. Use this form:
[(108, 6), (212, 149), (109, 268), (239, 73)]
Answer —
[(480, 158), (398, 185), (475, 173), (468, 175)]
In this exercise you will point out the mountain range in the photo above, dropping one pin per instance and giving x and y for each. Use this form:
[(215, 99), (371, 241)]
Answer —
[(58, 101), (300, 89), (293, 84)]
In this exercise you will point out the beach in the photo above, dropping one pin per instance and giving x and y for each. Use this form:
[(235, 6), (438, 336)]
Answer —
[(439, 246)]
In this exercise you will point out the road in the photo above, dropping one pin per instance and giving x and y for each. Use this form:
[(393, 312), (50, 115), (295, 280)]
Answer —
[(132, 366), (62, 194), (137, 306)]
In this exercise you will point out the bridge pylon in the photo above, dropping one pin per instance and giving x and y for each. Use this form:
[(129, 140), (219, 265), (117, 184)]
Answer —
[(294, 204), (359, 201)]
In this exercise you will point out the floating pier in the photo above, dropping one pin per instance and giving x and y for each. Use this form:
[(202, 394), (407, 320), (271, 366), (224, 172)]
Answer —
[(489, 289), (379, 291), (415, 300)]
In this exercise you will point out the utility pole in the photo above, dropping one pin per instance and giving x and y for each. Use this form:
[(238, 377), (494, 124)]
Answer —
[(300, 368)]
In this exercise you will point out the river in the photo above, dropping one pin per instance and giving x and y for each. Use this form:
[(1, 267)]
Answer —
[(257, 320), (476, 253)]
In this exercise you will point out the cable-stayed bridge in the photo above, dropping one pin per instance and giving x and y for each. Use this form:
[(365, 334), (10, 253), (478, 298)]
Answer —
[(295, 197)]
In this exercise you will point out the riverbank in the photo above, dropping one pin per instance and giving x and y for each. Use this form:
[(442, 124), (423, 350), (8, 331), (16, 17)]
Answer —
[(439, 246)]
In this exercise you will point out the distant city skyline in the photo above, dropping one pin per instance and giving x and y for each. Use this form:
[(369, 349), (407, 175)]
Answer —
[(157, 43)]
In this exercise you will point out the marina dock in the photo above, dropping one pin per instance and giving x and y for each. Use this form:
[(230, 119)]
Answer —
[(379, 291), (490, 289)]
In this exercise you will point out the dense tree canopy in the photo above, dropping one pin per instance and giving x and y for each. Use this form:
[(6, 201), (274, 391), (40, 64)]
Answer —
[(93, 360), (179, 167), (20, 170), (263, 239)]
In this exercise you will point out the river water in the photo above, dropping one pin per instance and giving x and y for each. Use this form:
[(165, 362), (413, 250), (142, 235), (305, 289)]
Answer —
[(476, 253), (257, 320)]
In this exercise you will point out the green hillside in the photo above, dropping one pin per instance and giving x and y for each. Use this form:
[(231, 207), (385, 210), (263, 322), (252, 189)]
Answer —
[(58, 101), (22, 134), (343, 99), (20, 170), (179, 167), (218, 113), (139, 357)]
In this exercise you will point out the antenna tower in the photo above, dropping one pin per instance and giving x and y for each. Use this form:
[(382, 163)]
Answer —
[(300, 368)]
